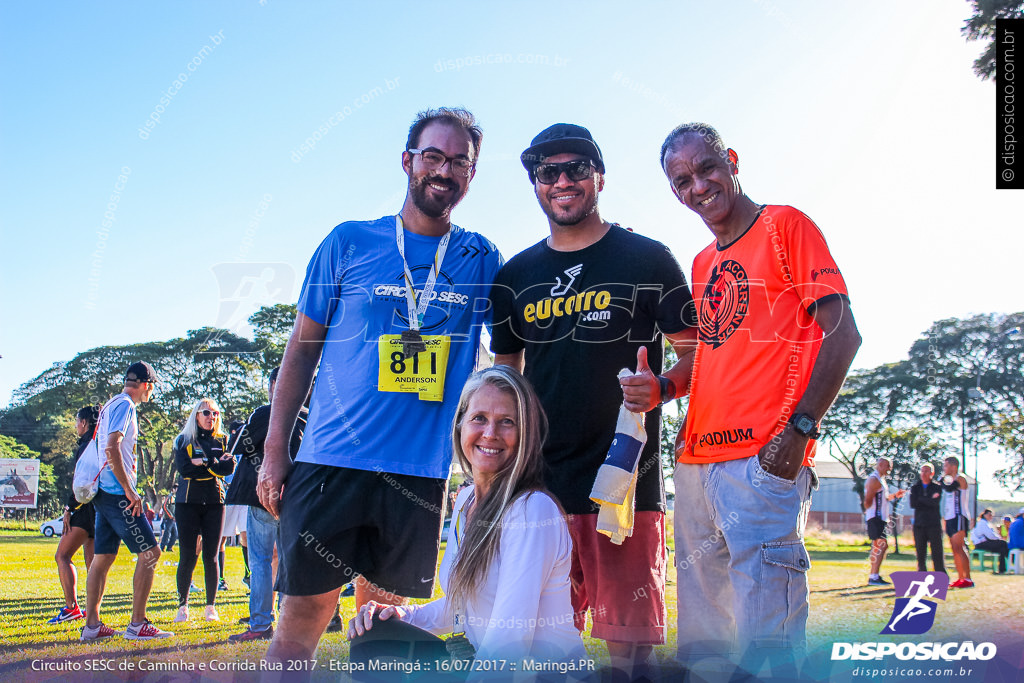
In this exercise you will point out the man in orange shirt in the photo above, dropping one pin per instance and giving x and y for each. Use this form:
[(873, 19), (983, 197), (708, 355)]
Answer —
[(776, 339)]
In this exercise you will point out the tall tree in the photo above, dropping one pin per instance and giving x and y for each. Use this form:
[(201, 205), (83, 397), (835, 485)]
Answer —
[(1009, 432), (871, 401), (982, 26), (272, 325), (974, 370)]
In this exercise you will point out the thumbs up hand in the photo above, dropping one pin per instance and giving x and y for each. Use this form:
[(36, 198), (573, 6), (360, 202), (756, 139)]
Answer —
[(641, 392)]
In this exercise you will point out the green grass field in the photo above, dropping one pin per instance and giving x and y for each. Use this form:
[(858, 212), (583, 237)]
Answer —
[(843, 608)]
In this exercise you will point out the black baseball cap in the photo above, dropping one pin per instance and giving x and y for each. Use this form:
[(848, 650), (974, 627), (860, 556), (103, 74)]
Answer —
[(558, 139), (140, 371)]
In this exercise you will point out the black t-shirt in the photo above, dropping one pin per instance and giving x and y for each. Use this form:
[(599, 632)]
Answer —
[(249, 446), (581, 316)]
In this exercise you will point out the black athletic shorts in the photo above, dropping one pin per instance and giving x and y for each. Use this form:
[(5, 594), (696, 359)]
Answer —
[(85, 518), (957, 524), (337, 522), (876, 528)]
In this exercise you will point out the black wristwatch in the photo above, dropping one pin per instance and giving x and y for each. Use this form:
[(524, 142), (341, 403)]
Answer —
[(668, 389), (804, 424)]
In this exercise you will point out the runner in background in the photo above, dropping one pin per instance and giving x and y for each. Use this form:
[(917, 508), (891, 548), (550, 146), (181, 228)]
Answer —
[(877, 513), (956, 505), (79, 524)]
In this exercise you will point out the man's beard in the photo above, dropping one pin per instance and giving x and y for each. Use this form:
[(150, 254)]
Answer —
[(434, 208), (574, 218)]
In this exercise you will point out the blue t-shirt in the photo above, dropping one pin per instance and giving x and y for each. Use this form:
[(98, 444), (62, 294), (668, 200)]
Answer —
[(118, 416), (1015, 536), (355, 285)]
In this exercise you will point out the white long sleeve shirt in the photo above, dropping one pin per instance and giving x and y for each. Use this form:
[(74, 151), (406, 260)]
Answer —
[(983, 531), (523, 608)]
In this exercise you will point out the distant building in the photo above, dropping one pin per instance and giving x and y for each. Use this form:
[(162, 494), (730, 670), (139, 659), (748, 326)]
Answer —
[(836, 507)]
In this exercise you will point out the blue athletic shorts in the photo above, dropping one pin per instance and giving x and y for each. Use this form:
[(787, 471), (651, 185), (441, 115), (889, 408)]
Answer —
[(115, 524)]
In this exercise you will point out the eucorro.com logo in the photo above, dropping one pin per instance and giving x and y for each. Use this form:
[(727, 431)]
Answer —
[(914, 614)]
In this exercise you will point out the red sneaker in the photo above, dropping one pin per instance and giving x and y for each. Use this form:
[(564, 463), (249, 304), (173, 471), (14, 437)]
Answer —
[(959, 583), (967, 583), (67, 614), (252, 635)]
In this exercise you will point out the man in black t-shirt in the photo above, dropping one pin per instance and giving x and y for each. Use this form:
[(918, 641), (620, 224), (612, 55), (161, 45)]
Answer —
[(570, 312)]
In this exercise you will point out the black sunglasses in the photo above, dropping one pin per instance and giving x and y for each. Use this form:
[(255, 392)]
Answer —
[(208, 413), (579, 169)]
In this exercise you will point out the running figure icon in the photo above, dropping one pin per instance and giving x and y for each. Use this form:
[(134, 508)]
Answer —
[(915, 604), (916, 596)]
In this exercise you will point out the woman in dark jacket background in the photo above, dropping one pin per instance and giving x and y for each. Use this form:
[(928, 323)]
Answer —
[(202, 461), (78, 527)]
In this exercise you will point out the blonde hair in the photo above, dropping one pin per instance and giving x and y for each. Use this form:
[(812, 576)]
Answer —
[(521, 474), (190, 431)]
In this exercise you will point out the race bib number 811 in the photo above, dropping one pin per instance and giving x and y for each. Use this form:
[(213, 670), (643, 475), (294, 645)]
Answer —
[(422, 374)]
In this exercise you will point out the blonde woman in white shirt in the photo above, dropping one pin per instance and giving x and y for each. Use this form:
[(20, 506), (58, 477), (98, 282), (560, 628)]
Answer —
[(505, 572)]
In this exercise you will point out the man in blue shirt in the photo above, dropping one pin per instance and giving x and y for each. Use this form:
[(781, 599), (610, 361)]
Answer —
[(1015, 536), (391, 310)]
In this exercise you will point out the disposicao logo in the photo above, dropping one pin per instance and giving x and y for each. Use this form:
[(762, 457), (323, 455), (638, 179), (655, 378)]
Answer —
[(916, 592), (914, 614)]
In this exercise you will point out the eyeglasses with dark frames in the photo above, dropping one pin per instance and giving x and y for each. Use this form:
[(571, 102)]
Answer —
[(434, 160), (576, 170)]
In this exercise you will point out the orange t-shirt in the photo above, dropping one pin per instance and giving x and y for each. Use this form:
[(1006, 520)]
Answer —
[(758, 343)]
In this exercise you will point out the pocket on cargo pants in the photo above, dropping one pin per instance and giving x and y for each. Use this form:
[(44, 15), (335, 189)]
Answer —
[(782, 598)]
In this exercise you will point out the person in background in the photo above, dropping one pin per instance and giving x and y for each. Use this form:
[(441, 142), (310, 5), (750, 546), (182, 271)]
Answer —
[(234, 524), (169, 527), (984, 537), (79, 525), (1015, 535), (119, 510), (1004, 528), (956, 504), (202, 463), (262, 526), (925, 499), (877, 511)]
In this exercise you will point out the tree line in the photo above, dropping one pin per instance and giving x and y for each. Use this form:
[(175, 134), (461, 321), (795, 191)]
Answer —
[(210, 362), (961, 388)]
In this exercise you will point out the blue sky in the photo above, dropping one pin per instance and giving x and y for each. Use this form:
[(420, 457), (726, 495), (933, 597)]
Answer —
[(873, 125)]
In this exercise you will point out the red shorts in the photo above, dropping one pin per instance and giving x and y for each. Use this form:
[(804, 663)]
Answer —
[(623, 586)]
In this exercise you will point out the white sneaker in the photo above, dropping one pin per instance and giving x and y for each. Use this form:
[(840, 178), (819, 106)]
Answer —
[(211, 613), (100, 632), (145, 631), (182, 614)]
